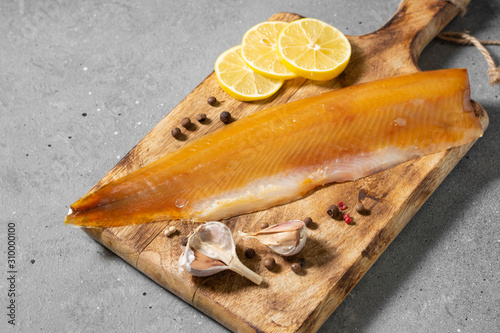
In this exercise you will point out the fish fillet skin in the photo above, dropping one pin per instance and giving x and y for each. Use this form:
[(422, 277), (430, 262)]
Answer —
[(279, 154)]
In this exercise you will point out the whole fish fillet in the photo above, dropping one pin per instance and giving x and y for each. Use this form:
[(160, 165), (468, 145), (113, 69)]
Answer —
[(277, 155)]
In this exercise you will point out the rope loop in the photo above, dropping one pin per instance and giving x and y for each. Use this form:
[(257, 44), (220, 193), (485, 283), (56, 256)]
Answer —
[(464, 38)]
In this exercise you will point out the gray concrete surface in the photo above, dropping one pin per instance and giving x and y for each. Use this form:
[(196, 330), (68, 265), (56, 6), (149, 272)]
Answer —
[(81, 82)]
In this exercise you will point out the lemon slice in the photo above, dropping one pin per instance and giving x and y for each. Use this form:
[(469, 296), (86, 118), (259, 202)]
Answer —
[(313, 49), (258, 50), (240, 81)]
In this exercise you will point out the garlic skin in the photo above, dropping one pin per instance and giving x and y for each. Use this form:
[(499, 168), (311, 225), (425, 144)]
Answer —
[(210, 250), (187, 259), (286, 239)]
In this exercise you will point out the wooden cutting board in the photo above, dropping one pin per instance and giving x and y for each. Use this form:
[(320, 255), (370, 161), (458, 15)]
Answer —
[(337, 254)]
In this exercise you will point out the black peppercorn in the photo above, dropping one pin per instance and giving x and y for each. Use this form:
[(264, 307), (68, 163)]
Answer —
[(334, 212), (225, 117), (302, 262), (186, 122), (296, 268), (307, 221), (250, 253), (201, 117), (212, 100), (269, 263), (176, 132)]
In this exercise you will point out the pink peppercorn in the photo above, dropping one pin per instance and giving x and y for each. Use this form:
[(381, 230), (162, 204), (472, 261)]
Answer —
[(342, 205)]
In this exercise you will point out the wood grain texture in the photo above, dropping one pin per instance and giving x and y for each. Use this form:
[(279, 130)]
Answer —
[(337, 254)]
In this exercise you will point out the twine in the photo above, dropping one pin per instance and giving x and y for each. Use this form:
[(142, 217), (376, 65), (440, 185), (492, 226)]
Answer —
[(463, 38)]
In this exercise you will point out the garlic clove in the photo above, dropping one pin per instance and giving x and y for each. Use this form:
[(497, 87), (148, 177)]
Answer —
[(202, 261), (210, 249), (198, 264), (287, 238)]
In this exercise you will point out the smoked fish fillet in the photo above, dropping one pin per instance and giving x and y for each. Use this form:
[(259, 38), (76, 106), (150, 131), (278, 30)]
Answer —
[(279, 154)]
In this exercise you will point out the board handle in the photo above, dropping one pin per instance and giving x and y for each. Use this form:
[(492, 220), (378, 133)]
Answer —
[(417, 22)]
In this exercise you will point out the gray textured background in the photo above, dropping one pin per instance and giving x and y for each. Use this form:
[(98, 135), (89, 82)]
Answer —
[(81, 82)]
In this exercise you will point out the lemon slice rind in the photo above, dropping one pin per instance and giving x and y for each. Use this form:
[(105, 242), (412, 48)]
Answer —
[(313, 49), (238, 80), (259, 50)]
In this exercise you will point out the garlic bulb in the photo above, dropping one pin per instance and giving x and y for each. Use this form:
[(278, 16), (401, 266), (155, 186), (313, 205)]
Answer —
[(211, 250), (286, 238)]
